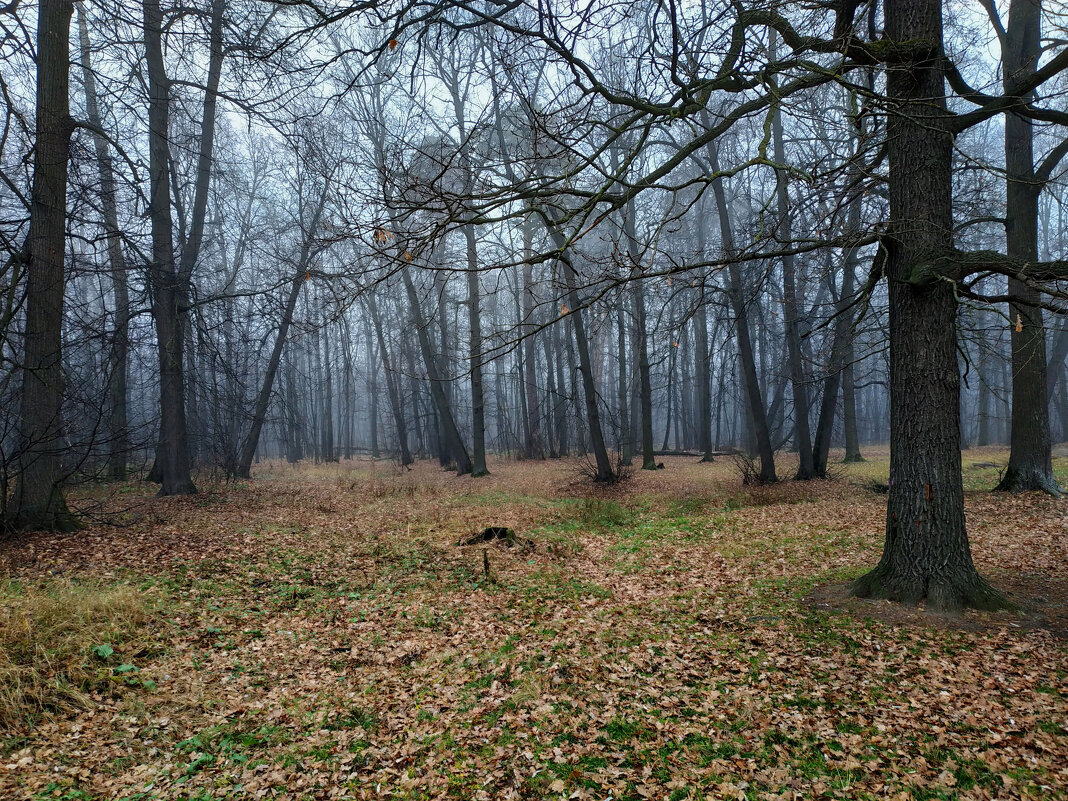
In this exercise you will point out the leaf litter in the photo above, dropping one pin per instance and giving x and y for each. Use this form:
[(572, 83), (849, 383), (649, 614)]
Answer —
[(322, 636)]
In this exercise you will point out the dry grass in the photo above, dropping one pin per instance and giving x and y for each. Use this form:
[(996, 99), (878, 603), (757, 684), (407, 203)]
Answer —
[(48, 631)]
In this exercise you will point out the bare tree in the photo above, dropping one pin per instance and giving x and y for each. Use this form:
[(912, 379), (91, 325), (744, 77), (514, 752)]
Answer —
[(38, 500)]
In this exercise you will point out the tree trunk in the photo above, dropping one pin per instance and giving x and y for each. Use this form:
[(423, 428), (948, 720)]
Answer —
[(555, 390), (849, 408), (604, 471), (1063, 406), (623, 388), (841, 345), (474, 319), (263, 399), (926, 556), (294, 435), (38, 500), (450, 433), (802, 437), (703, 406), (348, 393), (670, 395), (329, 452), (983, 401), (118, 354), (641, 341), (757, 414), (172, 456), (1030, 447), (1057, 356), (391, 383), (533, 447)]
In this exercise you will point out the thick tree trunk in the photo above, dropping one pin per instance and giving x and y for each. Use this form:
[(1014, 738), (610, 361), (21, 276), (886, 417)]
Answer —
[(172, 456), (1030, 447), (118, 354), (38, 500), (926, 556)]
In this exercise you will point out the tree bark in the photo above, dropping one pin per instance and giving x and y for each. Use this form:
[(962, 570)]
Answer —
[(841, 338), (172, 456), (474, 319), (757, 414), (623, 382), (450, 433), (1030, 446), (395, 404), (533, 446), (38, 501), (118, 353), (641, 342), (926, 555)]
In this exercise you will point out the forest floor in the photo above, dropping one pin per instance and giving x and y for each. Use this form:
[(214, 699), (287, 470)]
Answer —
[(318, 633)]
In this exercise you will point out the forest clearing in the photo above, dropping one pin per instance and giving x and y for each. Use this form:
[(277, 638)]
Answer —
[(533, 399), (318, 633)]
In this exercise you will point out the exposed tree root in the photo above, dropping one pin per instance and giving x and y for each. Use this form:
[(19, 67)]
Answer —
[(61, 520), (1016, 480), (945, 595)]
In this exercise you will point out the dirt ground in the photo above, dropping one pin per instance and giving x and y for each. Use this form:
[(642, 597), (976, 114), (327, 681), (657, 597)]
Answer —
[(319, 633)]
